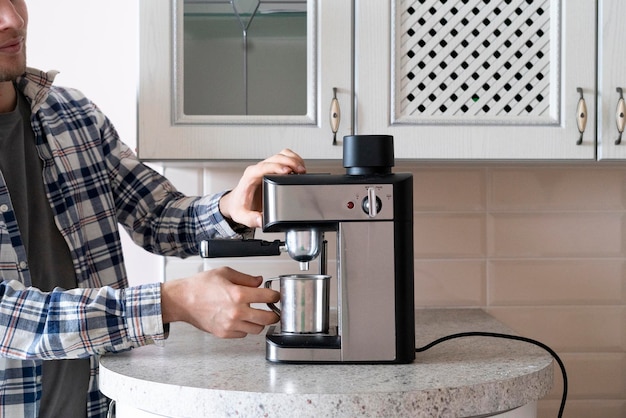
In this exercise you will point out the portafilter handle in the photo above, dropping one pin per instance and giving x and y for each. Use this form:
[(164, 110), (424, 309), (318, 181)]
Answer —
[(216, 248)]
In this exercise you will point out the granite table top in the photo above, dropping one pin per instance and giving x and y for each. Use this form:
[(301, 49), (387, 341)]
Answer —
[(198, 375)]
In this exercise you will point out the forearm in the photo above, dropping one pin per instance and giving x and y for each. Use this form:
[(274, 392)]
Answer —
[(175, 301), (76, 323), (165, 222), (157, 216)]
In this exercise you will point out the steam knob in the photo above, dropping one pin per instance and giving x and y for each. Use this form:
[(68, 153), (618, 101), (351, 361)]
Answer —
[(369, 208)]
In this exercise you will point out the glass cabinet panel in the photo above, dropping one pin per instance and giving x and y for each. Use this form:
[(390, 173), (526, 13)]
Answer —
[(244, 57), (243, 61)]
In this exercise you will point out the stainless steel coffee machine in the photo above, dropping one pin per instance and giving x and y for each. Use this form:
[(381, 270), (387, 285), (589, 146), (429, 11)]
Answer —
[(369, 211)]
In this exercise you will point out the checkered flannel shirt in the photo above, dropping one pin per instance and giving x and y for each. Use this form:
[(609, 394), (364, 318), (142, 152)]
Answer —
[(93, 182)]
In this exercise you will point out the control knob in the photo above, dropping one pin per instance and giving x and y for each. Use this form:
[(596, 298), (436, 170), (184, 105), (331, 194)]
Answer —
[(371, 209)]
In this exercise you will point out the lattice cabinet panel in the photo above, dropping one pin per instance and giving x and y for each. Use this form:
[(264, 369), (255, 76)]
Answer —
[(477, 61)]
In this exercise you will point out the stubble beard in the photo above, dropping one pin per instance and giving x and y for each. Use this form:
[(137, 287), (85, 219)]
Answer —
[(13, 67)]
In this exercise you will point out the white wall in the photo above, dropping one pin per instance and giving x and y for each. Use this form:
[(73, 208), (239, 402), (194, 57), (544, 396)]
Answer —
[(94, 45)]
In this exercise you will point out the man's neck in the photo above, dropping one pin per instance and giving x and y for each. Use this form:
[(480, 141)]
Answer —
[(8, 97)]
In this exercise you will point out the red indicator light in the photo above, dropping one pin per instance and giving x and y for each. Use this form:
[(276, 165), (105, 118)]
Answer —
[(350, 205)]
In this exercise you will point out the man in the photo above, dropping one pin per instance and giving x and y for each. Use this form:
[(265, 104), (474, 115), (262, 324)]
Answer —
[(66, 181)]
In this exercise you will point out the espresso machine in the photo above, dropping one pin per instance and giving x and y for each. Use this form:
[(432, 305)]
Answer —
[(369, 212)]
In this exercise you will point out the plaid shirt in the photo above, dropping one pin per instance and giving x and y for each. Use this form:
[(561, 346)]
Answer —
[(93, 181)]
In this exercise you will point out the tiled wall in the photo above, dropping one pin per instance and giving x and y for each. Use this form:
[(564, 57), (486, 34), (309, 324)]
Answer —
[(542, 247)]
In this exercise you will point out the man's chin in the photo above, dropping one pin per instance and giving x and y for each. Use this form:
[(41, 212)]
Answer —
[(7, 74), (12, 68)]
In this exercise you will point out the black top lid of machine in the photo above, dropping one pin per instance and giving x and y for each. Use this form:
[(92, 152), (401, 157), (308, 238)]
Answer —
[(368, 154)]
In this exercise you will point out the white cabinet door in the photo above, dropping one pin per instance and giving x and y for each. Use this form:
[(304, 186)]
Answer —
[(167, 132), (478, 79), (611, 79)]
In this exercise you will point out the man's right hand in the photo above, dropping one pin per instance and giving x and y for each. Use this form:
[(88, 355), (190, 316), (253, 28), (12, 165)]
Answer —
[(218, 301), (243, 203)]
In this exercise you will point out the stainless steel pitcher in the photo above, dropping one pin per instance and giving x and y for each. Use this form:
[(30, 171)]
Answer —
[(304, 300)]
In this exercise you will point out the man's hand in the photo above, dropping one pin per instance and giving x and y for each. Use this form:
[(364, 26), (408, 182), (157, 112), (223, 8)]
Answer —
[(243, 203), (218, 301)]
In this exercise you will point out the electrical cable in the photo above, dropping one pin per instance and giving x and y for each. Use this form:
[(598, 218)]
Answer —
[(508, 337)]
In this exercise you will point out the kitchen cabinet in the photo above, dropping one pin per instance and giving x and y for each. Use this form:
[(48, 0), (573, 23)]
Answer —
[(478, 79), (168, 130), (474, 79), (611, 79)]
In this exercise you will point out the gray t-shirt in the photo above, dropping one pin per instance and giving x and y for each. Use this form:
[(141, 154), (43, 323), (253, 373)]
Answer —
[(65, 382)]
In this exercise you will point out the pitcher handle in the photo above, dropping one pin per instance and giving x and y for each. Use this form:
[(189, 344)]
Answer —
[(273, 307)]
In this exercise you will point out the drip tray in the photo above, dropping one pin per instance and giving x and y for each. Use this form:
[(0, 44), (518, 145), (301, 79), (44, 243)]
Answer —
[(330, 340)]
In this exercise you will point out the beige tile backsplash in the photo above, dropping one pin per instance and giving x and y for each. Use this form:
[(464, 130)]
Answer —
[(540, 246)]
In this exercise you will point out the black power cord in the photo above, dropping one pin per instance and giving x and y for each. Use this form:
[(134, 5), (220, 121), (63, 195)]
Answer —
[(508, 337)]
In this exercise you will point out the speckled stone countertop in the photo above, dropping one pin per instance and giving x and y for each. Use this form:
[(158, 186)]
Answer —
[(198, 375)]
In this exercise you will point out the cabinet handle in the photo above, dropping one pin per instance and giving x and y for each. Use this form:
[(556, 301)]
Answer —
[(620, 112), (335, 115), (581, 115)]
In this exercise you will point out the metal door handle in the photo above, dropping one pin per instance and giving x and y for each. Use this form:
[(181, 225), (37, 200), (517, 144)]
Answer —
[(335, 115), (620, 113), (581, 115)]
